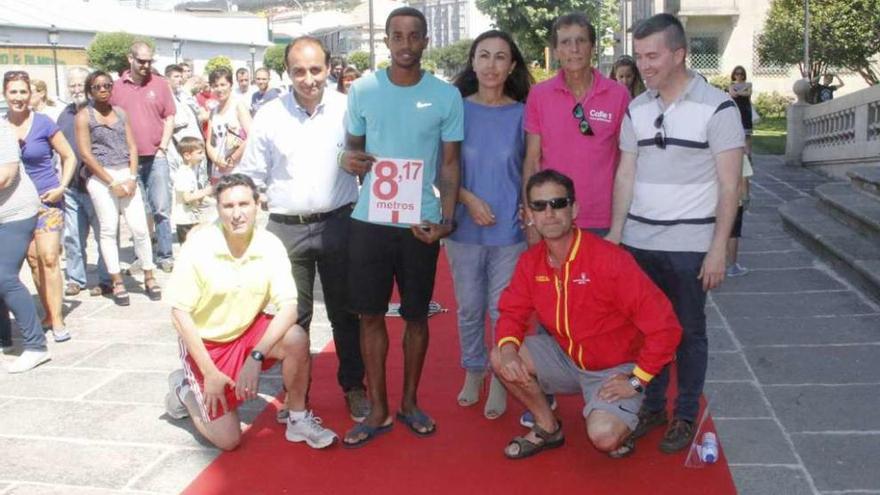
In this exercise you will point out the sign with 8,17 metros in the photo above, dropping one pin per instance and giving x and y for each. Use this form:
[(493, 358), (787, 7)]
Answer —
[(396, 191)]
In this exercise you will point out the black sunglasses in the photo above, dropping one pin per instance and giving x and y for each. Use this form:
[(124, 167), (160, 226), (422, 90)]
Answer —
[(583, 125), (555, 203), (143, 62), (660, 137)]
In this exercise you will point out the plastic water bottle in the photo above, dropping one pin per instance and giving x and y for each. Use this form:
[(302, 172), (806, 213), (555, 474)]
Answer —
[(709, 448)]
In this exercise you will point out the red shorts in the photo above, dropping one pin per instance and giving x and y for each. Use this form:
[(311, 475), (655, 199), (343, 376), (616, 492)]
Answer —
[(229, 358)]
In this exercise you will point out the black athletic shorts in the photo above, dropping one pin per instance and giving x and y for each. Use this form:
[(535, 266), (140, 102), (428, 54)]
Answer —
[(379, 255)]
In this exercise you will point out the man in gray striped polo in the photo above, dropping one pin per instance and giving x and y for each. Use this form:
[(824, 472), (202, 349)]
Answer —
[(674, 204)]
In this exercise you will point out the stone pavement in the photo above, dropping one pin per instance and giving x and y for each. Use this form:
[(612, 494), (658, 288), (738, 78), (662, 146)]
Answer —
[(791, 385)]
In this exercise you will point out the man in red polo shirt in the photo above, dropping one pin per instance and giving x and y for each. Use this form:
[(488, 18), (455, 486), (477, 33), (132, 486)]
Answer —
[(610, 328), (150, 106), (572, 123)]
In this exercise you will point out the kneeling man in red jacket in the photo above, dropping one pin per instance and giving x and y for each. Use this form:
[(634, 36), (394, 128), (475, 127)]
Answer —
[(610, 328)]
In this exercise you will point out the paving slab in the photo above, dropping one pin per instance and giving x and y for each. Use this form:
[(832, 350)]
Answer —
[(51, 383), (719, 339), (826, 408), (126, 356), (754, 331), (750, 245), (776, 281), (825, 364), (727, 366), (73, 463), (139, 310), (753, 441), (144, 387), (44, 489), (146, 424), (120, 330), (764, 480), (840, 461), (773, 260), (735, 400), (174, 472), (804, 304)]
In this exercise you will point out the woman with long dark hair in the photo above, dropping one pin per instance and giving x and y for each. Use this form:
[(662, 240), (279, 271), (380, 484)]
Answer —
[(488, 240), (40, 139), (627, 73), (741, 92)]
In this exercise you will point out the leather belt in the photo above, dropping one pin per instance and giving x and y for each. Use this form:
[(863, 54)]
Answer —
[(310, 218)]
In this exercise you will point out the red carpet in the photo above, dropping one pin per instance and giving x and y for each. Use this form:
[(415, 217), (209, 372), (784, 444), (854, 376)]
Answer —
[(464, 456)]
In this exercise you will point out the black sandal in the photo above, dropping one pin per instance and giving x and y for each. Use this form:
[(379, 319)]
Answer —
[(154, 292), (120, 295), (527, 448)]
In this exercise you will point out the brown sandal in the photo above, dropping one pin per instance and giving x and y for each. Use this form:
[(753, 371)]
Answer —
[(527, 448)]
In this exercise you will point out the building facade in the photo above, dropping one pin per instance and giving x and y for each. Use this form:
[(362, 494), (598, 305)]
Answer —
[(721, 35)]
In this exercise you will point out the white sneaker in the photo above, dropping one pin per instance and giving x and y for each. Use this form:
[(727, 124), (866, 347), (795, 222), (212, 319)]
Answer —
[(60, 334), (736, 270), (178, 386), (310, 431), (28, 360)]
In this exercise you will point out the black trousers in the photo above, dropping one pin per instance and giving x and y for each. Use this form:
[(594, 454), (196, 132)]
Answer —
[(322, 248)]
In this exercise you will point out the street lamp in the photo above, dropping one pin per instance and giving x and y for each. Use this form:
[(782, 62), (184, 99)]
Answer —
[(175, 47), (253, 51), (53, 40)]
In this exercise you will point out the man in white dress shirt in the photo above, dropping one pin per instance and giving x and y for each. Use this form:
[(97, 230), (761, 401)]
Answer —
[(293, 152)]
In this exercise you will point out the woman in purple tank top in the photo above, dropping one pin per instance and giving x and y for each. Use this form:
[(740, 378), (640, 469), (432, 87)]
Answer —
[(39, 139), (108, 150)]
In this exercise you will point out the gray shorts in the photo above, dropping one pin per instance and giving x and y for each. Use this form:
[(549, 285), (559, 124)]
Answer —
[(557, 374)]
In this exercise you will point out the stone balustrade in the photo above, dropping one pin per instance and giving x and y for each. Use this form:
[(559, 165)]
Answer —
[(836, 134)]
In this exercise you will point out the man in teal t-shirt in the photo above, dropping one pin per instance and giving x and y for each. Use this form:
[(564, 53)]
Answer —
[(405, 128)]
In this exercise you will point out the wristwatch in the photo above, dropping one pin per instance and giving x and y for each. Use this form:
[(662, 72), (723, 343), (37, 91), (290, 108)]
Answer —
[(258, 356), (636, 384)]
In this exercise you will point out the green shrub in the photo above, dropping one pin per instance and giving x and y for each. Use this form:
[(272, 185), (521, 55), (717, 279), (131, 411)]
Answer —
[(540, 74), (217, 62), (109, 51), (360, 60), (720, 81), (771, 105), (273, 59)]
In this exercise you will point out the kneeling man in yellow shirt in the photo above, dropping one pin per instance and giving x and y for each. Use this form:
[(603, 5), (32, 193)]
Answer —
[(226, 277)]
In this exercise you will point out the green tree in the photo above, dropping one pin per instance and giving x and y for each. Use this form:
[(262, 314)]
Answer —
[(360, 60), (273, 59), (529, 21), (449, 59), (843, 34), (217, 62), (109, 51)]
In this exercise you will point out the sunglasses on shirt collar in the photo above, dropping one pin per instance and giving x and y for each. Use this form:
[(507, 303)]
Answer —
[(583, 125), (555, 203), (660, 137)]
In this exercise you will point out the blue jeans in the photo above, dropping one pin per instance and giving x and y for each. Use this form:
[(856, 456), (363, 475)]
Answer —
[(79, 217), (154, 177), (14, 295), (675, 273), (479, 274)]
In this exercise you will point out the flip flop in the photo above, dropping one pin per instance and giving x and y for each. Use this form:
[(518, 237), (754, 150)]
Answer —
[(418, 419), (371, 432)]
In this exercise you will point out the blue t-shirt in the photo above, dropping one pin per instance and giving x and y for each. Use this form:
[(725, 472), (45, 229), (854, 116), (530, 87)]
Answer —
[(36, 153), (405, 122), (491, 168)]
